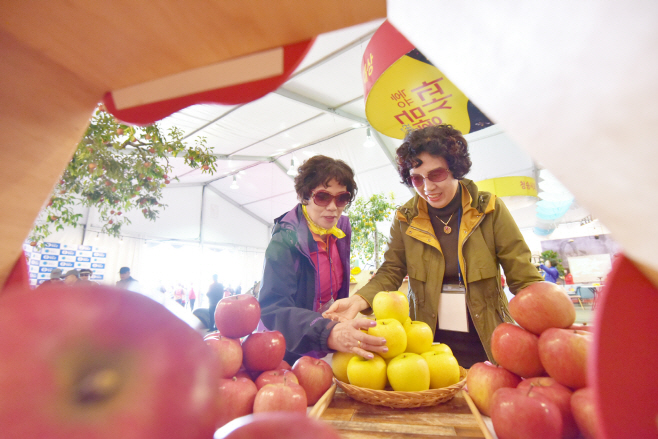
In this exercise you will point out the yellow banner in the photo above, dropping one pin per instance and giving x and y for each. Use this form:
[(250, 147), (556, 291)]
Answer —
[(509, 186)]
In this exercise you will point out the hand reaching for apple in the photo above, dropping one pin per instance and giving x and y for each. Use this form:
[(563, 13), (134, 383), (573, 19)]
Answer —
[(348, 337), (346, 309)]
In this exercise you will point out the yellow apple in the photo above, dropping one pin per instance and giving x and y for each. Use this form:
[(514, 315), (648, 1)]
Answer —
[(339, 362), (406, 322), (408, 372), (391, 305), (419, 337), (370, 374), (444, 369), (393, 331), (441, 347)]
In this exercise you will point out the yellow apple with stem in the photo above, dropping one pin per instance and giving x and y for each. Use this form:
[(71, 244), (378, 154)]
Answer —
[(444, 369), (339, 361), (391, 305), (370, 374), (393, 331), (441, 347), (408, 372), (419, 337)]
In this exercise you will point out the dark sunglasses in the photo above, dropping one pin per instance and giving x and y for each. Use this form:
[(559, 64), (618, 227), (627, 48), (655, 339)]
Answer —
[(323, 198), (435, 175)]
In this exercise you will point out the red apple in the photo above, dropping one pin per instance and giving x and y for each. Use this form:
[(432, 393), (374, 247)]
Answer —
[(243, 373), (484, 379), (563, 352), (275, 376), (284, 365), (584, 412), (542, 305), (558, 395), (237, 316), (583, 327), (277, 425), (516, 350), (286, 396), (100, 362), (524, 414), (235, 398), (314, 375), (263, 350), (229, 355)]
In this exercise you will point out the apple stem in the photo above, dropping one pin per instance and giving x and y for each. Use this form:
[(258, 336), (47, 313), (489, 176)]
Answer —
[(530, 388), (98, 386)]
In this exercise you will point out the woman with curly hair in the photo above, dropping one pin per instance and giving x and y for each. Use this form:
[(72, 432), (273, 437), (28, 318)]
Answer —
[(307, 266), (451, 239)]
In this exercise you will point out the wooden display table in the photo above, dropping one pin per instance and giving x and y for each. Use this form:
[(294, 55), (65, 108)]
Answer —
[(357, 420)]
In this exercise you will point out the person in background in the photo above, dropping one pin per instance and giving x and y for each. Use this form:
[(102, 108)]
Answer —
[(307, 266), (215, 294), (55, 279), (451, 239), (179, 295), (192, 296), (71, 277), (127, 282), (238, 290), (85, 276), (551, 274), (568, 278)]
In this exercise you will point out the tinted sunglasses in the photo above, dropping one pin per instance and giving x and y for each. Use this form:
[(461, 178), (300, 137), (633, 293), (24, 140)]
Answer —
[(323, 198), (435, 175)]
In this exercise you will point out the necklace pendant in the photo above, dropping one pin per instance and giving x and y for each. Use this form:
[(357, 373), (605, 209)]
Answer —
[(447, 229)]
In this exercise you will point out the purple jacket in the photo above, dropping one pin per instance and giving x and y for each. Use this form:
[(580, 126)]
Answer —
[(289, 287)]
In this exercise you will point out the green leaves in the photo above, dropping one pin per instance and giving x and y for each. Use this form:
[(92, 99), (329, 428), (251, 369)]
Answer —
[(118, 168), (364, 214)]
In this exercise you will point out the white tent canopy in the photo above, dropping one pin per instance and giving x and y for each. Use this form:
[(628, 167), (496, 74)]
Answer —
[(320, 110)]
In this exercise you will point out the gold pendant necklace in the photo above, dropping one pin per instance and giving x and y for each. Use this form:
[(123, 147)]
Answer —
[(446, 228)]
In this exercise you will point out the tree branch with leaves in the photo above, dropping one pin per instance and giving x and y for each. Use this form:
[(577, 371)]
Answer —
[(118, 168), (367, 241)]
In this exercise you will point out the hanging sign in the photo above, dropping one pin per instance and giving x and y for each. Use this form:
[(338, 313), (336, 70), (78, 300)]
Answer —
[(404, 91)]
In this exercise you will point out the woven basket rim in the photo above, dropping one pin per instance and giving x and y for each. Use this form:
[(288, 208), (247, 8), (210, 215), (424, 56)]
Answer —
[(396, 398)]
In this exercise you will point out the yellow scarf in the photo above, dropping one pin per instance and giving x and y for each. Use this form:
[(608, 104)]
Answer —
[(321, 230)]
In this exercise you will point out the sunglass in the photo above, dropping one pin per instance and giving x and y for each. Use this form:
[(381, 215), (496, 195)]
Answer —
[(435, 175), (84, 274), (323, 198)]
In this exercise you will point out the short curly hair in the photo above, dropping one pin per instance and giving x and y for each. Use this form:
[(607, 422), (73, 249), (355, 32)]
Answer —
[(437, 140), (320, 170)]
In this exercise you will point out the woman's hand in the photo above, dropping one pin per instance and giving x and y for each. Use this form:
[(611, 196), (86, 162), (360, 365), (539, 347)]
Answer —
[(348, 337), (345, 309)]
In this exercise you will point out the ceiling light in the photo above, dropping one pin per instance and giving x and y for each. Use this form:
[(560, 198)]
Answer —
[(234, 184), (369, 143), (292, 171)]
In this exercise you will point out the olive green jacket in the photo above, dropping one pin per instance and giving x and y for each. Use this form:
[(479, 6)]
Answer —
[(488, 238)]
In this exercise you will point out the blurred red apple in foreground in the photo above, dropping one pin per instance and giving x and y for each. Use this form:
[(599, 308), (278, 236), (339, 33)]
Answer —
[(584, 412), (229, 355), (274, 377), (263, 350), (484, 379), (276, 425), (542, 305), (314, 375), (235, 399), (524, 414), (286, 396), (99, 362), (560, 396), (563, 352), (516, 350), (237, 316)]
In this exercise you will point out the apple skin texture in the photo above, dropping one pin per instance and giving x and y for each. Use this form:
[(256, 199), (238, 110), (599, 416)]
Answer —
[(99, 362)]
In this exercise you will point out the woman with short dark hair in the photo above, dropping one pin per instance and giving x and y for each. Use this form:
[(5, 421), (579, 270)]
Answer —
[(307, 266), (451, 239)]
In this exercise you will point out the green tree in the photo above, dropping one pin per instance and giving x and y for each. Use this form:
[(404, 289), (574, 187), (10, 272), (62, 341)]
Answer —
[(554, 257), (366, 240), (116, 169)]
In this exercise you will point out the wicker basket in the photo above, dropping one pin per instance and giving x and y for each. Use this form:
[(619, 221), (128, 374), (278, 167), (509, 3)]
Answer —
[(400, 400)]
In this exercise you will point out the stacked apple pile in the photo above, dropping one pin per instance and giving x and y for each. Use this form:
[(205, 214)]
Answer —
[(412, 363), (253, 375), (539, 390)]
